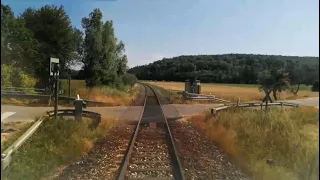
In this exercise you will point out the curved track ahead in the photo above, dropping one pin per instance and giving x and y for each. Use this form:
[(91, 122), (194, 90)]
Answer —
[(151, 153)]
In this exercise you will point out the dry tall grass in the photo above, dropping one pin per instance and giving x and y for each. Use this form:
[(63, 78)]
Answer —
[(55, 143), (108, 95), (111, 96), (228, 92), (281, 144)]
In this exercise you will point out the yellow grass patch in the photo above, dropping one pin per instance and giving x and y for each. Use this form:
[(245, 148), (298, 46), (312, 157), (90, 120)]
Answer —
[(288, 136), (231, 93)]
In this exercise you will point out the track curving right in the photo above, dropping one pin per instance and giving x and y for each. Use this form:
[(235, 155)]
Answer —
[(151, 153)]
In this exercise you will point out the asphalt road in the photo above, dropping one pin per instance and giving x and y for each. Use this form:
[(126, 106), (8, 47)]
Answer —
[(21, 113), (306, 102)]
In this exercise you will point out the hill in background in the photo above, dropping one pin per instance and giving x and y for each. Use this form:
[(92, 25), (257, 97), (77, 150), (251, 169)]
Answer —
[(227, 68)]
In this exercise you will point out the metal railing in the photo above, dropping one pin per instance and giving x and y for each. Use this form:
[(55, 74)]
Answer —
[(259, 104), (202, 97), (5, 94), (18, 90), (246, 105), (71, 112), (6, 155)]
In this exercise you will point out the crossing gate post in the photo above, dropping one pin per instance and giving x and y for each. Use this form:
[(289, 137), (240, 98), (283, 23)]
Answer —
[(78, 105)]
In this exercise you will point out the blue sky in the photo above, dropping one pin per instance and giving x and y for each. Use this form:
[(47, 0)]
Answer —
[(153, 29)]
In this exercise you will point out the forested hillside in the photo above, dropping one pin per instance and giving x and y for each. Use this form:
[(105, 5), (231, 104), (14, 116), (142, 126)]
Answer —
[(229, 68)]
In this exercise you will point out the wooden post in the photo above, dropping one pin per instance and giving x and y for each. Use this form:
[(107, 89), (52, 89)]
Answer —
[(261, 106), (238, 101), (69, 83), (267, 104), (213, 112)]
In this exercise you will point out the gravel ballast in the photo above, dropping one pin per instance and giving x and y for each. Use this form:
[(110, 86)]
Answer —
[(103, 160), (201, 158)]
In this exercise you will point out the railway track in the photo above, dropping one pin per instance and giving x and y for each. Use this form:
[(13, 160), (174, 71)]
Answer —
[(151, 153)]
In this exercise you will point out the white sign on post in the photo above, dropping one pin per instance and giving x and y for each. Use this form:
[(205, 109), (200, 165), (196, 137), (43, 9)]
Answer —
[(52, 62)]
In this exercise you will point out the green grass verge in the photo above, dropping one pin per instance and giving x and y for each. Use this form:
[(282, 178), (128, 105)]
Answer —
[(55, 143), (288, 137), (19, 128)]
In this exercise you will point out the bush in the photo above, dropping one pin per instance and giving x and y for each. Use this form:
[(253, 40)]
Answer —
[(315, 86), (129, 79), (15, 77)]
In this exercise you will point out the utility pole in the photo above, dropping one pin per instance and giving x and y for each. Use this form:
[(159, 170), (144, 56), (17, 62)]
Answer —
[(54, 71), (69, 82)]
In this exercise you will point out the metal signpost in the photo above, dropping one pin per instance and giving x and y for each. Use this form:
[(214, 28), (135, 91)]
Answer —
[(54, 71)]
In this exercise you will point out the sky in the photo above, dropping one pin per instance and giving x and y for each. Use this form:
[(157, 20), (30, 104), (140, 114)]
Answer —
[(154, 29)]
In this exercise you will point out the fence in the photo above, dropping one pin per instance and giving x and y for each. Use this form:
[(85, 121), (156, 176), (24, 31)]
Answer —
[(245, 105), (6, 94), (17, 90), (201, 97)]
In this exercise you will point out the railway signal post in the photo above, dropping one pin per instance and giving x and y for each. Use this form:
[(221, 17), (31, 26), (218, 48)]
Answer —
[(54, 71)]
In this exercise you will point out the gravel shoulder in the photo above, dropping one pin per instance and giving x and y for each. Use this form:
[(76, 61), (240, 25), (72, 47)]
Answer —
[(201, 158)]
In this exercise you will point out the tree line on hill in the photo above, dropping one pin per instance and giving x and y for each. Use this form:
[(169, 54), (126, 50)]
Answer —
[(31, 38), (230, 68)]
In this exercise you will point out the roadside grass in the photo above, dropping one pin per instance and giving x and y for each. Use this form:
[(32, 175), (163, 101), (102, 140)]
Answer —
[(18, 129), (231, 92), (281, 144), (56, 143)]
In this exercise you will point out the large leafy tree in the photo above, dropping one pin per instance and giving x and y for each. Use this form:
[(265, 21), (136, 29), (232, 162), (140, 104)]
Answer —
[(92, 47), (52, 28), (103, 57), (273, 81), (18, 45)]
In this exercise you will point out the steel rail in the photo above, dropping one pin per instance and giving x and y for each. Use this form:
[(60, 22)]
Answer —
[(125, 161), (176, 165)]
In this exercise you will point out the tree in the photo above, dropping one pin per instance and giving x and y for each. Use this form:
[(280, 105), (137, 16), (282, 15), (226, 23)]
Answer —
[(231, 68), (315, 86), (103, 57), (18, 45), (295, 75), (57, 38), (92, 47), (122, 59), (273, 81)]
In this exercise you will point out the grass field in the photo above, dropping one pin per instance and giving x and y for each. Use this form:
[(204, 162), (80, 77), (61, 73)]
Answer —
[(110, 96), (231, 92), (281, 144), (56, 143)]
